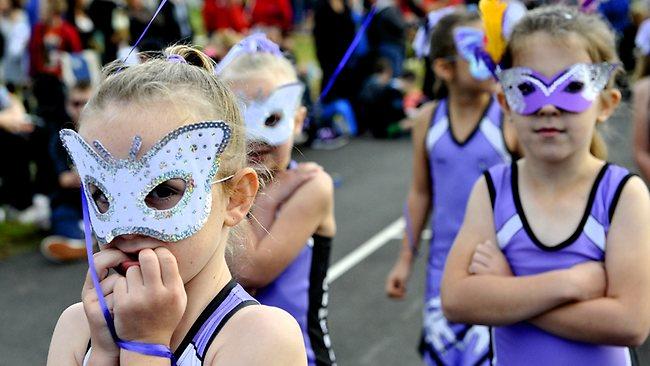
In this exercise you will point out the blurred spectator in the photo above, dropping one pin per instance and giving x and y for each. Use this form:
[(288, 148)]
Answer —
[(15, 29), (78, 16), (66, 240), (176, 27), (104, 14), (387, 34), (382, 102), (50, 38), (22, 143), (224, 14), (272, 13), (334, 30)]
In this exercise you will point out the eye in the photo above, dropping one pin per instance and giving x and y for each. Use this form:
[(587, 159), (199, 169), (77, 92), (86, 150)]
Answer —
[(574, 87), (273, 119), (166, 195), (526, 88), (99, 197)]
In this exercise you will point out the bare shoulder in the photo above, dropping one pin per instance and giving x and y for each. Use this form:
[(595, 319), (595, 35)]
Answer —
[(642, 86), (634, 199), (70, 338), (259, 335)]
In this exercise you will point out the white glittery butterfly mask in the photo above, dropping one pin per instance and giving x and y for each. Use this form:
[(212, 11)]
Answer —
[(188, 155), (271, 120)]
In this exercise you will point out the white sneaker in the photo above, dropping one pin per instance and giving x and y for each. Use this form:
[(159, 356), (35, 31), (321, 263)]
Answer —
[(38, 213)]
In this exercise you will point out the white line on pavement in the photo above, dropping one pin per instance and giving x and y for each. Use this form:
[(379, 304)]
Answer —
[(364, 250)]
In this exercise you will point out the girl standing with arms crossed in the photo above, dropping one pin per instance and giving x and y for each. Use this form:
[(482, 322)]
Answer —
[(288, 237), (455, 140), (554, 248), (161, 155)]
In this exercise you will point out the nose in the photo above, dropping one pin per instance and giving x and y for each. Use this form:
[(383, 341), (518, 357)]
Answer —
[(548, 110)]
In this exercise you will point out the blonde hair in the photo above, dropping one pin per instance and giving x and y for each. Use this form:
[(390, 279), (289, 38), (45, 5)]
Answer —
[(260, 64), (560, 22), (192, 84)]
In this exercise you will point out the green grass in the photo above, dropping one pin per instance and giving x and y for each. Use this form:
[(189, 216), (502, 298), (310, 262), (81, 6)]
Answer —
[(18, 238)]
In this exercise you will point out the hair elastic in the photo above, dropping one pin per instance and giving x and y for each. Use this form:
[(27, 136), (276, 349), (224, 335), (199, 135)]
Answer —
[(176, 59)]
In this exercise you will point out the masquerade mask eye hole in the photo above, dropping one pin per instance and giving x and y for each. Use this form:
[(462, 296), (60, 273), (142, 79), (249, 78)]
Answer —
[(526, 88), (574, 87), (166, 195), (273, 119), (99, 197)]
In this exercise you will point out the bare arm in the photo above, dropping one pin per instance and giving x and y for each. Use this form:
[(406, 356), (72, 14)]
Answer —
[(622, 317), (70, 338), (418, 205), (13, 118), (259, 335), (489, 299), (640, 105), (266, 255)]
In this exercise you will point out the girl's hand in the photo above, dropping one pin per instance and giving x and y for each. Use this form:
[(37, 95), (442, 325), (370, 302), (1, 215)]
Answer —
[(589, 279), (287, 182), (151, 300), (488, 259), (398, 278), (100, 337)]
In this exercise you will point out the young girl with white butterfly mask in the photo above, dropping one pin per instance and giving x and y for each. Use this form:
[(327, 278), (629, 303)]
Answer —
[(554, 248), (161, 155), (288, 239)]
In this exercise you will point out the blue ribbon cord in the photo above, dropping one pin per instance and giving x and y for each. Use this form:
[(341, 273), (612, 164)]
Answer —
[(348, 54)]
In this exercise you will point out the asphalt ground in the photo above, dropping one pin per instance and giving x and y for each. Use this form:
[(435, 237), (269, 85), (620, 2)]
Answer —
[(366, 327)]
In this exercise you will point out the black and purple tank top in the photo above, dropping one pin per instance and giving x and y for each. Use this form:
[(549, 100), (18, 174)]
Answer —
[(523, 343)]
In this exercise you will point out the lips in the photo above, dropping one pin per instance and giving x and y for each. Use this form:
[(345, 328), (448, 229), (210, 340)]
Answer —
[(132, 261), (549, 131)]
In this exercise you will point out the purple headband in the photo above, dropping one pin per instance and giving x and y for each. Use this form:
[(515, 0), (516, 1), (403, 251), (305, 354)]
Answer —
[(572, 90)]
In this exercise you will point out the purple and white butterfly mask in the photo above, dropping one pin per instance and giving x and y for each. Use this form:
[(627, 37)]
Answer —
[(189, 154), (572, 90), (271, 120), (469, 42)]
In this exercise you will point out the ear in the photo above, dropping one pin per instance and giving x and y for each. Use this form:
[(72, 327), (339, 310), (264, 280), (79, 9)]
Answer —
[(299, 119), (243, 187), (609, 101), (444, 69), (503, 102)]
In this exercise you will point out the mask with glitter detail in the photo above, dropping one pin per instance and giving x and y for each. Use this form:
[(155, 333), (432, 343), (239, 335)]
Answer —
[(572, 90), (469, 42), (189, 153), (271, 120)]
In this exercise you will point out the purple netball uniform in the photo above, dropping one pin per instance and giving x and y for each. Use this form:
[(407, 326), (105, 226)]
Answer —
[(523, 343), (197, 341), (301, 290), (454, 167)]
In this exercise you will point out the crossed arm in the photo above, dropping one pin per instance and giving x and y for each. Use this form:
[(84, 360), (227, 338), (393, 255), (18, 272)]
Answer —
[(569, 303)]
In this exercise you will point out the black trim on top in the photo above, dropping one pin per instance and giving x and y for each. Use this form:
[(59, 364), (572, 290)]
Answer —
[(318, 271), (617, 196), (581, 225), (225, 319), (476, 128), (491, 188), (205, 314)]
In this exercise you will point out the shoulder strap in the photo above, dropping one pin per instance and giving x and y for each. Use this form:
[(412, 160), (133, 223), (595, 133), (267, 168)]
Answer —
[(438, 126), (506, 219)]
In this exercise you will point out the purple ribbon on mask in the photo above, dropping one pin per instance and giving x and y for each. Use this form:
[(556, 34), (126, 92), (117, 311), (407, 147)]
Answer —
[(157, 350), (348, 53)]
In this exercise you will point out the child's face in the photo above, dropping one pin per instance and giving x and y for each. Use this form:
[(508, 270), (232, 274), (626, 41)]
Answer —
[(76, 102), (553, 134), (115, 126), (277, 157)]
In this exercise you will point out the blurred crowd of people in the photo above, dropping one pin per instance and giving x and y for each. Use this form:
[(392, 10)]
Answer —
[(52, 51)]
